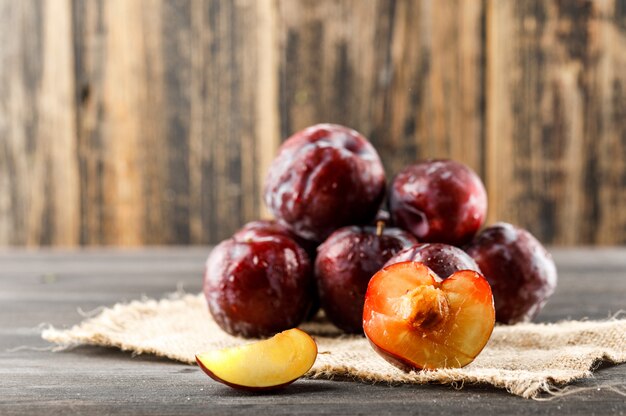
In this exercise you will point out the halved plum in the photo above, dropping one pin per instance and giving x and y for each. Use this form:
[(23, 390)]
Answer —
[(416, 321)]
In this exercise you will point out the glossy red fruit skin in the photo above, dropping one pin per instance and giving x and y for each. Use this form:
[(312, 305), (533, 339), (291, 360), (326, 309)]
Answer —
[(439, 201), (265, 228), (520, 271), (344, 265), (268, 228), (443, 259), (324, 177), (262, 228), (258, 287)]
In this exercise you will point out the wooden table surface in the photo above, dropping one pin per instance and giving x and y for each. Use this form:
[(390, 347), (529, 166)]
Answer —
[(54, 286)]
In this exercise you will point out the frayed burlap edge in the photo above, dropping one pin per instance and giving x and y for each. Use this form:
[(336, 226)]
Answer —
[(525, 359)]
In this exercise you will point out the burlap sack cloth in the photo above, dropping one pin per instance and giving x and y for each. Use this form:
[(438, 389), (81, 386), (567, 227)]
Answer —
[(524, 359)]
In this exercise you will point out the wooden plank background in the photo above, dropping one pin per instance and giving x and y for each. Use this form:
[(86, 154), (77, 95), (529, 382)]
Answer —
[(153, 121)]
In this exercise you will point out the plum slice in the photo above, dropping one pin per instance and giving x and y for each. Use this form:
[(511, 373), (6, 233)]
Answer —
[(262, 365)]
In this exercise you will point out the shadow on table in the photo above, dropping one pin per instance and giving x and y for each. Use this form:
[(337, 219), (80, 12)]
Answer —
[(299, 387)]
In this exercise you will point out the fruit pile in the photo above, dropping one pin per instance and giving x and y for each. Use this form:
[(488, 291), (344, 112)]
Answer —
[(417, 280)]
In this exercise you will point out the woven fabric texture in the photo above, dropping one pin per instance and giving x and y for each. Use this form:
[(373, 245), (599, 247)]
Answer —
[(524, 359)]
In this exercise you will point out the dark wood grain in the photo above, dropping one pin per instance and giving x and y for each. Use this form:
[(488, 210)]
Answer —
[(119, 98), (556, 109), (39, 198), (407, 74), (52, 286), (154, 122), (173, 135)]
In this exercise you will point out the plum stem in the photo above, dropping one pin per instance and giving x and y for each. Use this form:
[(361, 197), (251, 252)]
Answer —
[(380, 226)]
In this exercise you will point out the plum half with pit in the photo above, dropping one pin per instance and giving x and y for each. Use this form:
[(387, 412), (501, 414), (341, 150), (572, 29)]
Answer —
[(439, 201), (345, 263), (257, 287), (416, 321), (519, 269), (443, 259), (325, 177)]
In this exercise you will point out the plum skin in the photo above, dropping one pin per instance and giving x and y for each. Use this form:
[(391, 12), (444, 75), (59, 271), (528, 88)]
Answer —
[(439, 201), (324, 177), (261, 228), (268, 228), (519, 269), (344, 265), (443, 259), (264, 228), (258, 287)]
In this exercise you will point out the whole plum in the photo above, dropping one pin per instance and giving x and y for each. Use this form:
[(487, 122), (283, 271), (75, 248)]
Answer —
[(439, 201), (258, 286), (345, 263), (325, 177), (265, 228), (442, 259), (520, 271)]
